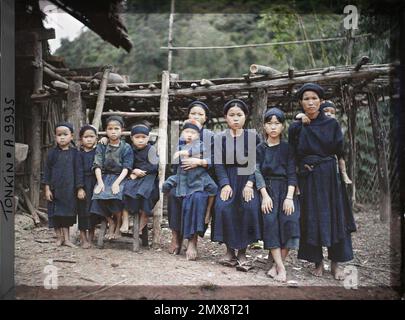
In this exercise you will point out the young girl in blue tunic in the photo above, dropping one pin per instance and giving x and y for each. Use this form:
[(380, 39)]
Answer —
[(86, 180), (195, 187), (112, 162), (237, 216), (199, 111), (326, 219), (276, 180), (60, 184), (141, 191)]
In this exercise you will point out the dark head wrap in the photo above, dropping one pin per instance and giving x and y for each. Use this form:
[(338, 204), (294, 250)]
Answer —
[(85, 128), (273, 111), (115, 118), (201, 104), (327, 104), (192, 124), (140, 128), (311, 87), (237, 103), (65, 124)]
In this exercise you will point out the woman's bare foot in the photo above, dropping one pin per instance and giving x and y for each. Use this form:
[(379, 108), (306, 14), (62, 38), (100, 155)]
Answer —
[(175, 245), (319, 269), (191, 253), (85, 245), (59, 242), (67, 243), (337, 272), (273, 271), (281, 274), (125, 222)]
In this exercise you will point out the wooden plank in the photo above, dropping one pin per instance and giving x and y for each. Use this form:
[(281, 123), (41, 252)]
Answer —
[(101, 97), (381, 154), (135, 234), (162, 150)]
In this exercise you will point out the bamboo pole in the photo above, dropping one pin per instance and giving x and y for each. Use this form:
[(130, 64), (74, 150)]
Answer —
[(170, 40), (130, 114), (162, 149), (381, 154), (311, 55), (101, 97)]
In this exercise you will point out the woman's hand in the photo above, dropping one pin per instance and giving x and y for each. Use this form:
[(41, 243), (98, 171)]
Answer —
[(288, 206), (81, 194), (115, 188), (190, 163), (267, 204), (305, 120), (48, 194), (139, 173), (99, 188), (247, 193), (226, 192), (133, 176)]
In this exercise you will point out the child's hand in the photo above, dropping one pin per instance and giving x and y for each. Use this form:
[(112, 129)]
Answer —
[(182, 153), (346, 178), (139, 172), (267, 204), (133, 176), (103, 140), (305, 120), (247, 193), (48, 194), (288, 206), (99, 188), (226, 192), (207, 218), (115, 188), (190, 163), (81, 194)]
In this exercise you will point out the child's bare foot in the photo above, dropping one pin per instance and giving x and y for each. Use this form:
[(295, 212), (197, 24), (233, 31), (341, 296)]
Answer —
[(85, 245), (67, 243), (273, 271), (337, 272), (191, 253), (125, 226), (281, 274), (111, 229), (59, 242), (318, 271)]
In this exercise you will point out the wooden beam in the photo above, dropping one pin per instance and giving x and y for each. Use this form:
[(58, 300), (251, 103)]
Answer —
[(130, 114), (264, 70), (101, 97), (162, 149), (282, 83), (382, 163), (54, 75)]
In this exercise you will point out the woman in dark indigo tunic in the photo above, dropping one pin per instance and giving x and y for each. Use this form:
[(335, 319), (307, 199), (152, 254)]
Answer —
[(141, 191), (325, 220), (276, 180), (194, 187), (85, 181), (199, 111), (112, 163), (60, 186), (237, 216)]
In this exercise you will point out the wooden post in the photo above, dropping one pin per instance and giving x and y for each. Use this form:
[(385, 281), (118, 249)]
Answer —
[(162, 150), (135, 230), (101, 97), (170, 40), (382, 163), (35, 158), (353, 147), (259, 108), (75, 114)]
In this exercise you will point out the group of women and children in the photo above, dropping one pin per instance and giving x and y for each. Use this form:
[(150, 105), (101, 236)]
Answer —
[(292, 197)]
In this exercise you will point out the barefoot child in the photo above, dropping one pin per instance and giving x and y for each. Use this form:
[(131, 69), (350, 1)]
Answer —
[(60, 187), (112, 162), (141, 191), (85, 181), (237, 218), (196, 188), (276, 180), (329, 109)]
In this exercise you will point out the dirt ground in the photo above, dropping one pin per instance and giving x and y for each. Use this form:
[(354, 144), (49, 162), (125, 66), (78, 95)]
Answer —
[(117, 272)]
